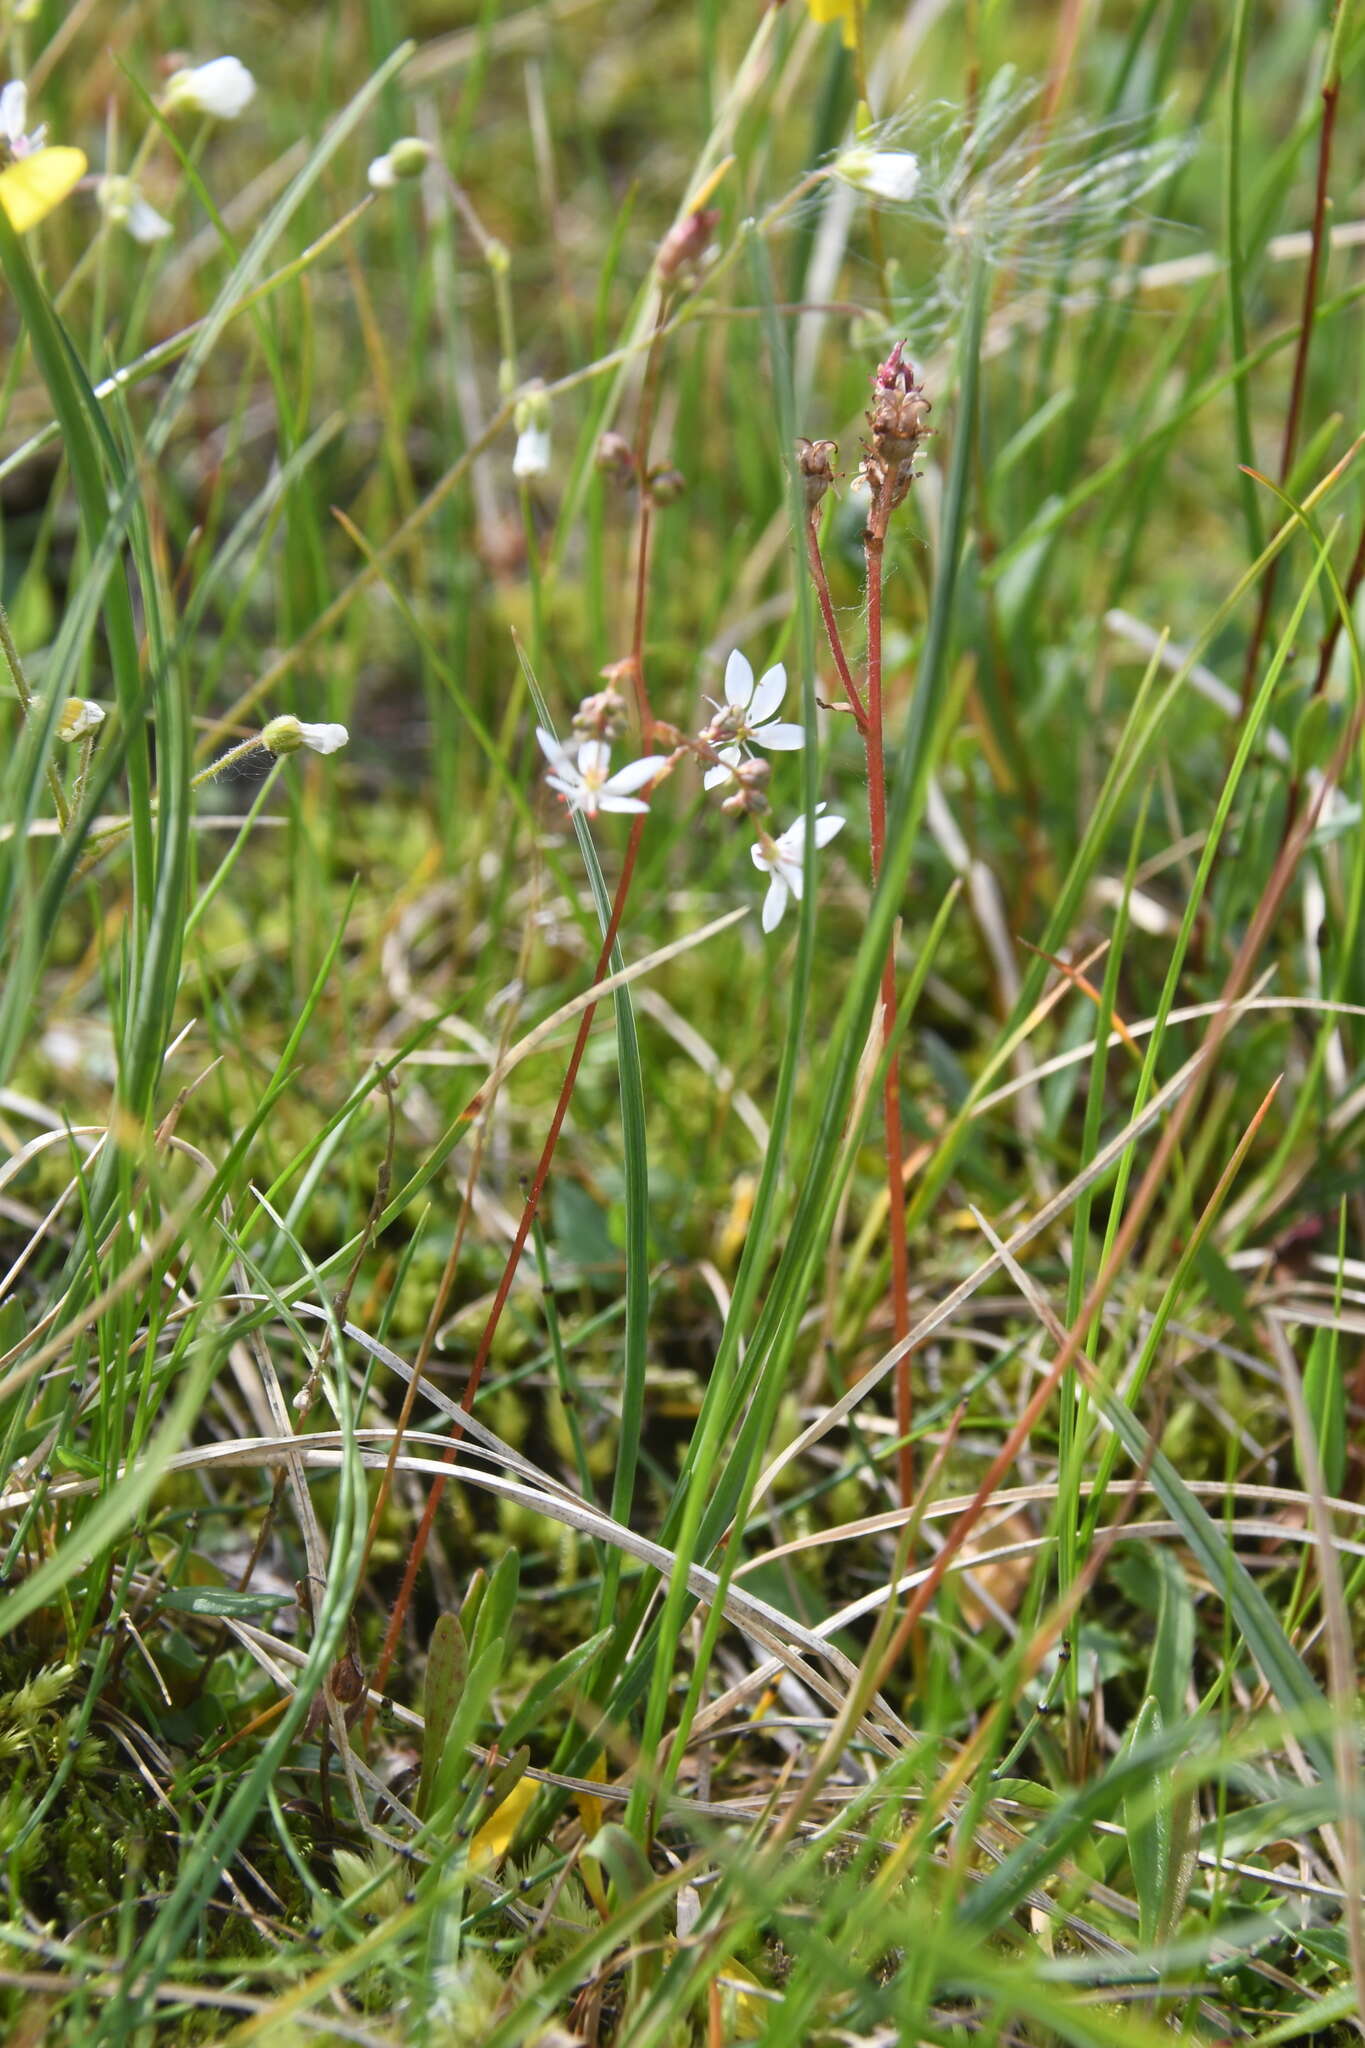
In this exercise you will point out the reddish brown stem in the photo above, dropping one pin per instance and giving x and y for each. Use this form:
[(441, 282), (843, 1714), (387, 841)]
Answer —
[(1299, 381), (832, 634), (642, 439), (1156, 1176), (875, 546), (637, 658), (534, 1193), (1326, 650)]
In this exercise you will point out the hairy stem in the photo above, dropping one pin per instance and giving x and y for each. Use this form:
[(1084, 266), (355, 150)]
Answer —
[(874, 541), (836, 645), (642, 438)]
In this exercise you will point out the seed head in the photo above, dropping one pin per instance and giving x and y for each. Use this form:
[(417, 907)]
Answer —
[(898, 414)]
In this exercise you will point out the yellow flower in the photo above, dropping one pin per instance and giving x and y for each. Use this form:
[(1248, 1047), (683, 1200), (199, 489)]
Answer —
[(32, 187), (34, 178), (845, 12)]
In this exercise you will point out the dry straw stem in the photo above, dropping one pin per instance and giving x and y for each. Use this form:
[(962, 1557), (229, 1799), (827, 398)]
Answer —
[(1070, 1352), (324, 1452), (1345, 1847)]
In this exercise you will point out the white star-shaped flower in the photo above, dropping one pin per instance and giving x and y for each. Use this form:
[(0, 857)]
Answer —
[(746, 719), (783, 861), (584, 780)]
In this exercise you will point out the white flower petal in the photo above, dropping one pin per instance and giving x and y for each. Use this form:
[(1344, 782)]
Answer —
[(739, 681), (636, 773), (144, 223), (381, 175), (323, 739), (884, 173), (532, 456), (771, 689), (550, 747), (774, 903), (608, 802), (14, 113), (782, 738), (594, 759), (714, 777), (826, 828)]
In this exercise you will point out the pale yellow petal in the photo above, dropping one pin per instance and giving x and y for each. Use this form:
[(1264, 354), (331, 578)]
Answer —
[(32, 187), (494, 1838)]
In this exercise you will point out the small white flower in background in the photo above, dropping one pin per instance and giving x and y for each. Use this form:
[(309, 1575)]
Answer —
[(532, 422), (223, 88), (287, 734), (583, 779), (532, 457), (884, 173), (783, 861), (408, 158), (80, 715), (14, 143), (746, 719), (122, 204)]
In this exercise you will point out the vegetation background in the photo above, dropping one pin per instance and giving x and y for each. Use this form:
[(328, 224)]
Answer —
[(695, 1701)]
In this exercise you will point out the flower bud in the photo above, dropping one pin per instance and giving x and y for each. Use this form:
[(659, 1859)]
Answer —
[(749, 798), (882, 173), (286, 734), (813, 460), (408, 158), (615, 455), (222, 89), (601, 716), (666, 486), (683, 247), (721, 730), (532, 421), (79, 715)]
